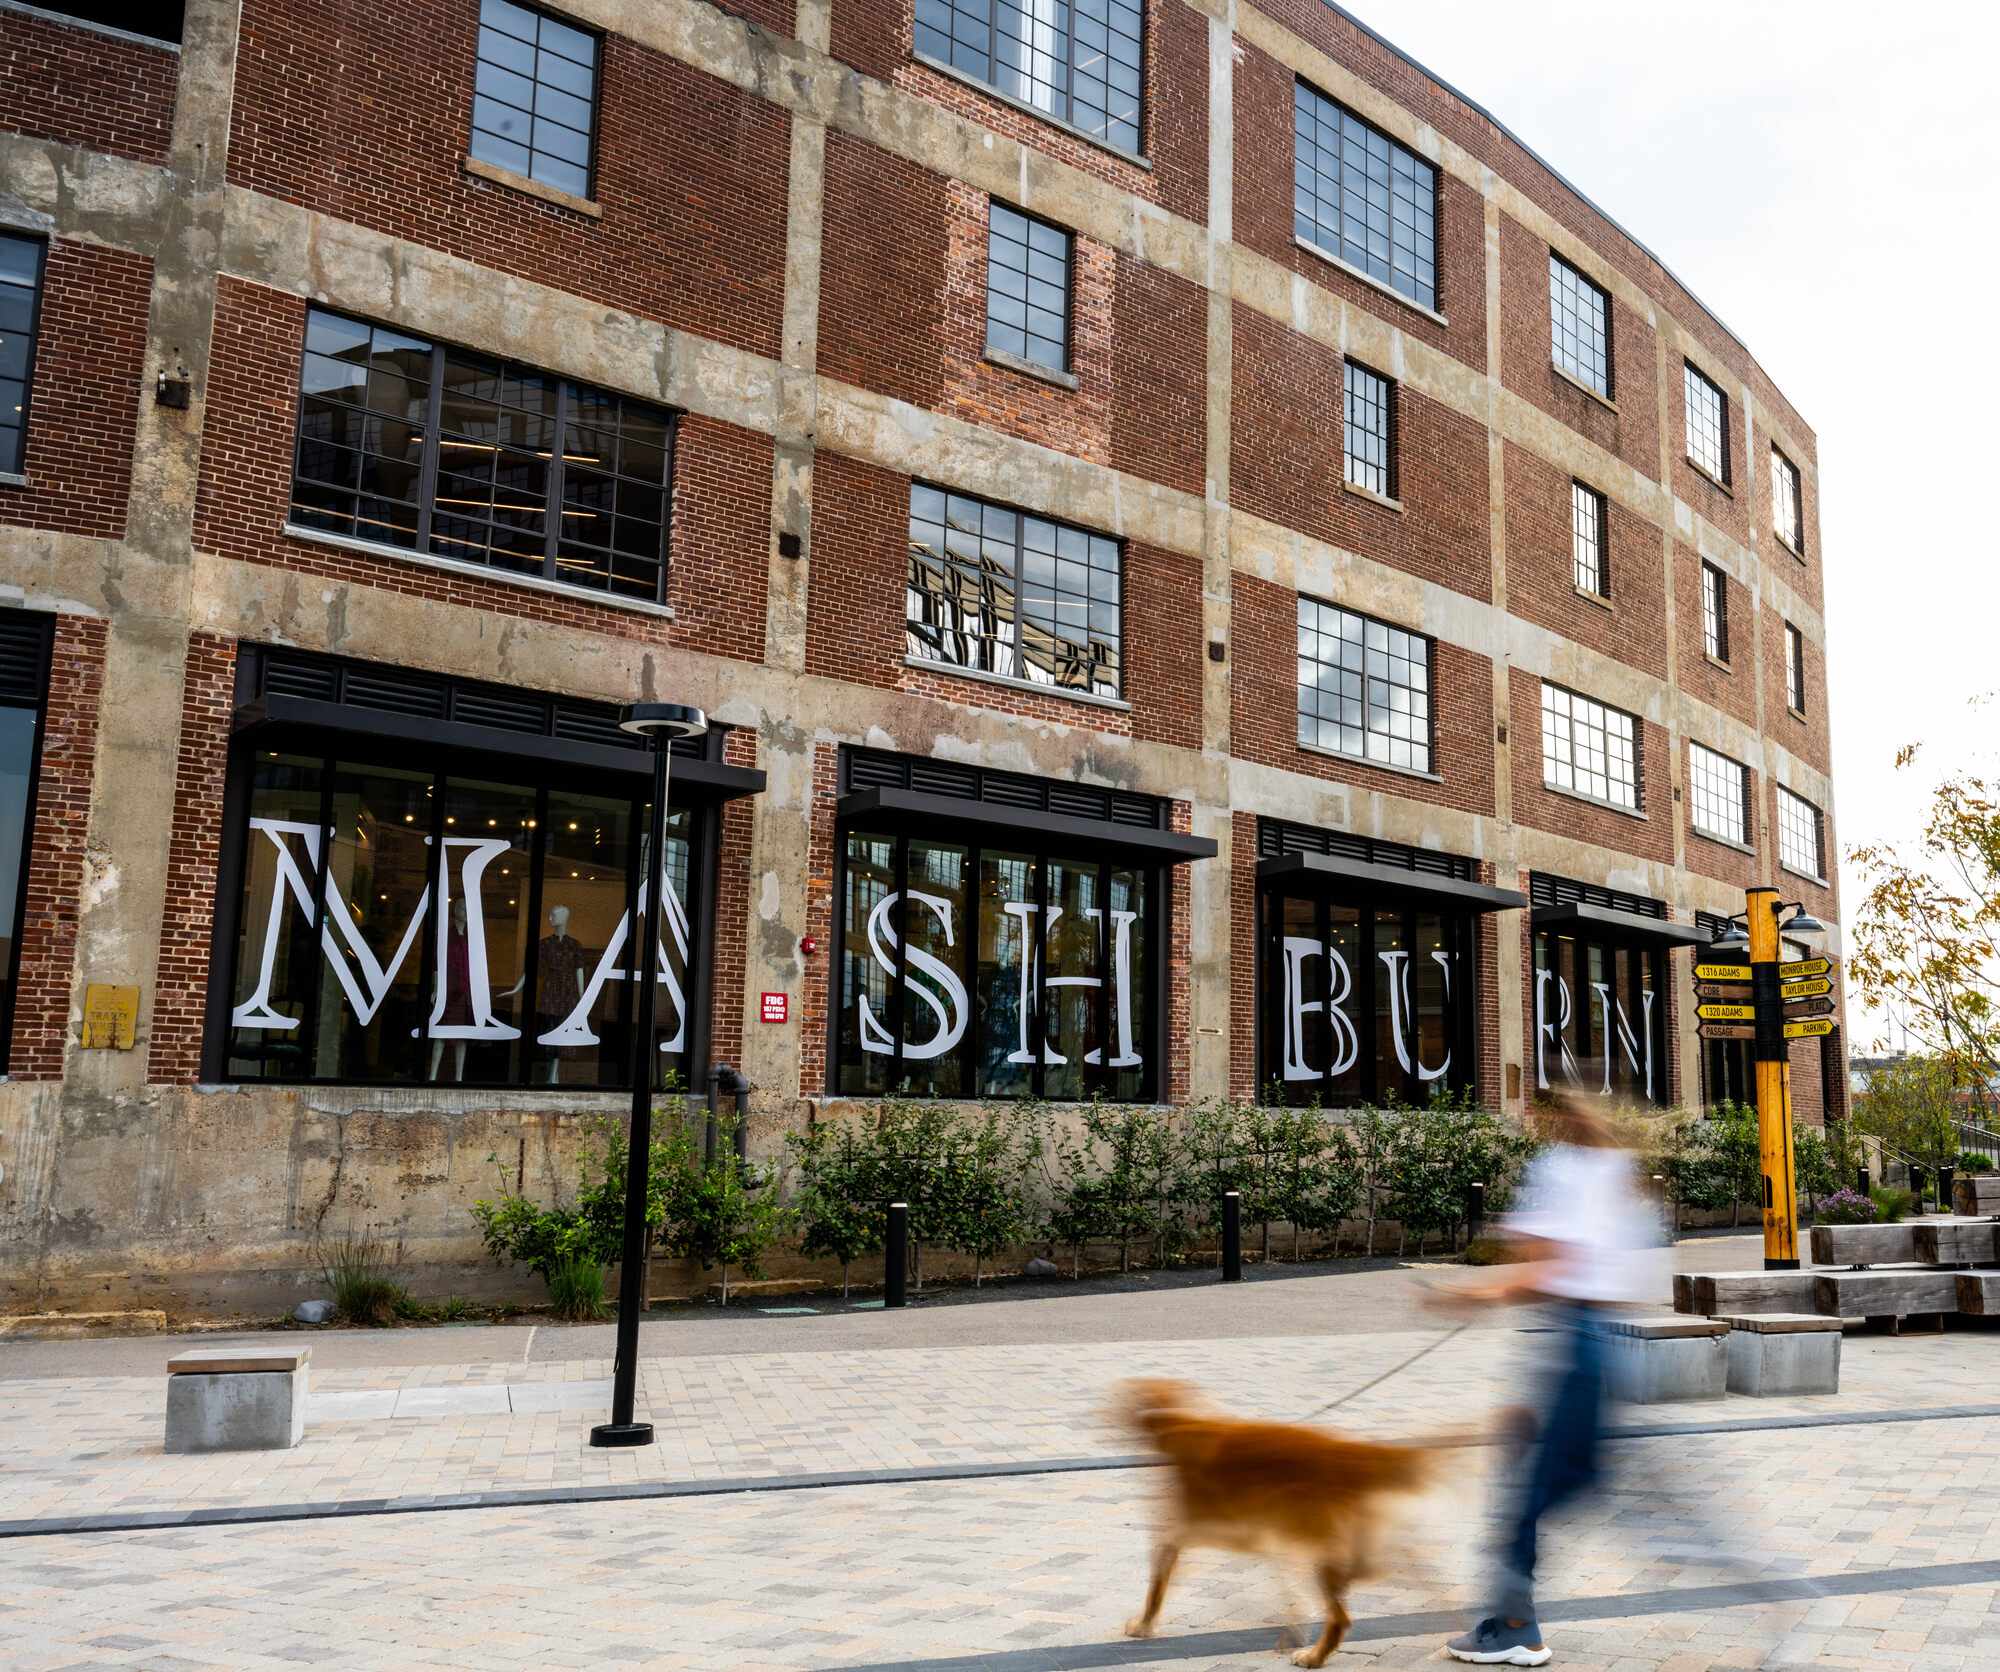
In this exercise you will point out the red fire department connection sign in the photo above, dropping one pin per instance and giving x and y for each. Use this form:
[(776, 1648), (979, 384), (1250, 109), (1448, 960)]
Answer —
[(776, 1006)]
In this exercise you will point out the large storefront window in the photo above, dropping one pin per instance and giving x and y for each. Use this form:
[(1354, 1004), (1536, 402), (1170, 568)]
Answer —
[(401, 922), (1011, 970), (1364, 1002), (24, 674), (1600, 1018)]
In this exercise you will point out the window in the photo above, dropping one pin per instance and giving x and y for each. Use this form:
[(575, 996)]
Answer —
[(1079, 62), (1718, 795), (20, 302), (437, 450), (346, 969), (1587, 519), (1787, 511), (1013, 970), (1600, 1018), (1364, 687), (1801, 836), (1589, 749), (1579, 326), (1007, 593), (25, 642), (1360, 197), (1795, 669), (1707, 425), (534, 99), (1714, 612), (1369, 431), (1027, 288)]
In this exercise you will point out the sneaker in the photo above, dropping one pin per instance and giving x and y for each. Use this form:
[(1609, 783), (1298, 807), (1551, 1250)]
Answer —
[(1495, 1643)]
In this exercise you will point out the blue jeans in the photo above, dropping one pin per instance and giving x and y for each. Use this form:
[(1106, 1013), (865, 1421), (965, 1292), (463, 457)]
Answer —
[(1565, 1454)]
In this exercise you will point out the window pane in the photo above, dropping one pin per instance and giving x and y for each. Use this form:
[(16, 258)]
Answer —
[(867, 967), (1027, 288), (1579, 326), (362, 426), (17, 776), (20, 267), (614, 518), (1003, 974), (1801, 846), (1072, 979), (277, 951), (1786, 508), (1364, 687), (1707, 425), (1128, 1041), (1717, 795), (1589, 749), (1367, 431), (582, 1010), (1587, 539), (535, 84), (937, 1010), (1079, 63), (1361, 197), (673, 952), (479, 999)]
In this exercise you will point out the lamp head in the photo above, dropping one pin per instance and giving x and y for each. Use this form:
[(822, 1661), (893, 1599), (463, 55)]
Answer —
[(1804, 923), (663, 720), (1732, 939)]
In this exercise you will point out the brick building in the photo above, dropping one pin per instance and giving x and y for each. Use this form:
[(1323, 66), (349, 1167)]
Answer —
[(1212, 568)]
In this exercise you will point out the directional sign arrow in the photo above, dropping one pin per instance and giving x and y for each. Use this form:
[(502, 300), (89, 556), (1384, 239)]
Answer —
[(1722, 972), (1726, 1012), (1808, 1007), (1728, 992), (1806, 989), (1808, 1030), (1725, 1030), (1805, 966)]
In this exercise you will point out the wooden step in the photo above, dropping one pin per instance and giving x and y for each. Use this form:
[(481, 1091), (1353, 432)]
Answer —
[(1713, 1292), (1863, 1245), (1976, 1195), (1958, 1242), (1893, 1292), (1979, 1293)]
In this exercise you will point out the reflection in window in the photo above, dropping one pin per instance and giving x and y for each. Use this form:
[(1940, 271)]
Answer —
[(1027, 288), (1369, 444), (1600, 1020), (1714, 612), (972, 972), (1801, 836), (1795, 669), (1363, 1004), (1589, 749), (375, 405), (1579, 326), (1011, 594), (1786, 509), (532, 103), (470, 931), (1364, 687), (1718, 795), (1707, 425), (20, 301), (1586, 511), (17, 787), (1362, 198), (1076, 60)]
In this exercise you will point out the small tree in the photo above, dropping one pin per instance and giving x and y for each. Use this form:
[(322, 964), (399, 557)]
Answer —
[(1221, 1149), (1909, 1106), (723, 1212), (838, 1201), (913, 1157), (988, 1169), (1813, 1163), (1737, 1156), (1076, 1174), (1314, 1178)]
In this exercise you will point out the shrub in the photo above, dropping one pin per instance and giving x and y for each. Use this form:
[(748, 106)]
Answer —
[(837, 1196), (1974, 1161), (453, 1308), (357, 1271), (1892, 1202), (1846, 1207), (576, 1289)]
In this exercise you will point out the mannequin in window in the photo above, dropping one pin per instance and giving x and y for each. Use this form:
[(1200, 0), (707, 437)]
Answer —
[(564, 966), (455, 980)]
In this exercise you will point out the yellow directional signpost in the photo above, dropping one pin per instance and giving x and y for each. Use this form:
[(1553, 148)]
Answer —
[(1809, 1030)]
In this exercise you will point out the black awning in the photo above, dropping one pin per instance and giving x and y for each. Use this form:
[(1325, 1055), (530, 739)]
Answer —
[(1423, 887), (696, 780), (1625, 926), (900, 810)]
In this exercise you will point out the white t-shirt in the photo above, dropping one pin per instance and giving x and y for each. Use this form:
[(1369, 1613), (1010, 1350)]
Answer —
[(1585, 1202)]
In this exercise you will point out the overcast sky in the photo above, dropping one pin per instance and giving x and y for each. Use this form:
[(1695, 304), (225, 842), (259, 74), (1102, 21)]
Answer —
[(1823, 177)]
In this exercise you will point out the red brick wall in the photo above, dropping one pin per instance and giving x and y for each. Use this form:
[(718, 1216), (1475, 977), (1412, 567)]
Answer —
[(1804, 736), (1242, 955), (1286, 462), (1541, 569), (82, 415), (722, 499), (82, 88), (1266, 111), (364, 112), (180, 988), (1164, 648), (1176, 1051), (1732, 688), (1159, 377), (1264, 708), (56, 867), (861, 530), (1631, 433), (823, 968), (881, 315), (730, 924)]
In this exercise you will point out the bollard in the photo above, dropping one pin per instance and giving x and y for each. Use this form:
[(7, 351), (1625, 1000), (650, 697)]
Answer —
[(1945, 1176), (896, 1273), (1861, 1178), (1475, 1211), (1232, 1236), (1919, 1181)]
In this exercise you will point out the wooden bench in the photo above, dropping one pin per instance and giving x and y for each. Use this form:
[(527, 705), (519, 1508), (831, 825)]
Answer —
[(1657, 1361), (1915, 1294), (1977, 1195), (1954, 1242), (1708, 1293), (1864, 1245), (233, 1399)]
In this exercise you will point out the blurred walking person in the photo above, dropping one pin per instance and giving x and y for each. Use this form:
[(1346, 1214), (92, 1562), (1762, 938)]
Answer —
[(1584, 1232)]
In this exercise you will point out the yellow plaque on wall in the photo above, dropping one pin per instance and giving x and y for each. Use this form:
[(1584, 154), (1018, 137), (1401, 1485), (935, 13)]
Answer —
[(110, 1014)]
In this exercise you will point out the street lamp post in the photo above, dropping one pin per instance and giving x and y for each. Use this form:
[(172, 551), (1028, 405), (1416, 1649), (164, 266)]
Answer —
[(660, 723)]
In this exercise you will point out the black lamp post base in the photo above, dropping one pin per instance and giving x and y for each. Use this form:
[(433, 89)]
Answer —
[(622, 1434)]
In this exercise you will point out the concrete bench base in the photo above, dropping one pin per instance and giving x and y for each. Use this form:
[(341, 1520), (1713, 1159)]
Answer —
[(224, 1401), (1774, 1355), (1659, 1361)]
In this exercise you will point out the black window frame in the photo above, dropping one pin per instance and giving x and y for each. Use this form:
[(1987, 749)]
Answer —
[(589, 192), (1795, 670), (996, 207), (1368, 680), (989, 77), (985, 643), (431, 431), (1637, 741), (1544, 958), (1692, 374), (1601, 516), (1743, 836), (1788, 491), (27, 650), (1585, 282), (1424, 292), (1818, 815), (1715, 612), (1391, 488), (19, 467)]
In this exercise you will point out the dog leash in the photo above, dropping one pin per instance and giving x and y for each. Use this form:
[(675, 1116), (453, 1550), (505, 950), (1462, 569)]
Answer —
[(1428, 1347)]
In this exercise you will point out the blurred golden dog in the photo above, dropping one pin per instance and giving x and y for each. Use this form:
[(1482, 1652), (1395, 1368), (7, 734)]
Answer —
[(1269, 1488)]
